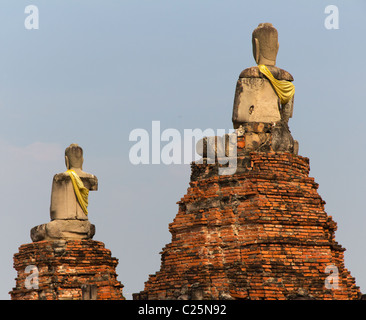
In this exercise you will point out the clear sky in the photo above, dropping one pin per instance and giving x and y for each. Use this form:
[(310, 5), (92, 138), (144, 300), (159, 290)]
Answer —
[(96, 70)]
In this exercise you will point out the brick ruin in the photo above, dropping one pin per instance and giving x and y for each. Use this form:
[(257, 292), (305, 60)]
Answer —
[(261, 233), (66, 270), (258, 233)]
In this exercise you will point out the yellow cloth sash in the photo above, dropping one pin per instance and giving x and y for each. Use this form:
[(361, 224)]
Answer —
[(81, 192), (284, 89)]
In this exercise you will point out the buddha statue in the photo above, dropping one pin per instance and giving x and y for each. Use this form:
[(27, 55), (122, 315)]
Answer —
[(64, 203), (264, 97), (69, 201)]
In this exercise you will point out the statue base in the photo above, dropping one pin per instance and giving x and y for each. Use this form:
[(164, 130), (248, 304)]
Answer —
[(259, 234), (63, 229), (66, 270)]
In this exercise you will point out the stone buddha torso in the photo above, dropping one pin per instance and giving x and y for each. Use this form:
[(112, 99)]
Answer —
[(68, 219), (256, 100), (64, 204)]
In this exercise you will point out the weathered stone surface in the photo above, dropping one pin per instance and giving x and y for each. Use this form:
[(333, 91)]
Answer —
[(66, 270), (282, 139), (261, 233), (255, 101), (210, 147), (265, 44), (249, 137), (64, 204), (278, 73), (63, 229)]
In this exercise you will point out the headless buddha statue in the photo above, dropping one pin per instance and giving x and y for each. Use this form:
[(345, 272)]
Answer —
[(69, 201), (263, 104), (264, 97), (65, 203)]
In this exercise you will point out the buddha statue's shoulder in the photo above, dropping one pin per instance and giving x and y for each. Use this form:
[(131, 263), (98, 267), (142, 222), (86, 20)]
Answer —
[(91, 179), (61, 176), (278, 73)]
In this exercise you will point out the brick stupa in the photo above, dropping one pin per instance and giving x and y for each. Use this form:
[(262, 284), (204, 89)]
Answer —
[(63, 262), (261, 232)]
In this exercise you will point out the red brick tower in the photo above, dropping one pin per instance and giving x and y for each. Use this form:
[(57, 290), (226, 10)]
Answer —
[(66, 270), (260, 232)]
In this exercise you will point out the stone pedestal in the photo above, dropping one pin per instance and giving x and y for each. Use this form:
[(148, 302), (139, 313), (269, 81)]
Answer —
[(63, 229), (261, 233), (66, 270)]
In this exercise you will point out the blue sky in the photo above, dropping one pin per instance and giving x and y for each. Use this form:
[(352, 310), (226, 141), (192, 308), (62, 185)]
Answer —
[(96, 70)]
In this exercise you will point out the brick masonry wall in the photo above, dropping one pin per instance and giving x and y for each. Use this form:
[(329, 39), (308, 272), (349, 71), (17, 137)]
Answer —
[(261, 233), (64, 268)]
